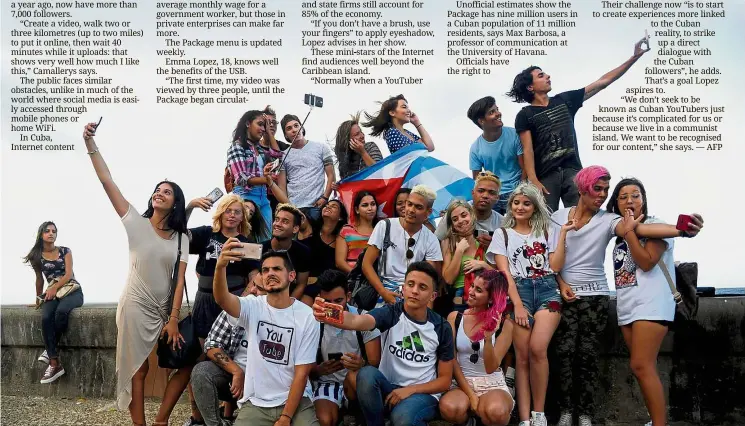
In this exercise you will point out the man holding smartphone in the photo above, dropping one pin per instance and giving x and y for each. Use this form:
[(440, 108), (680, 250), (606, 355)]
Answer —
[(341, 353), (416, 364)]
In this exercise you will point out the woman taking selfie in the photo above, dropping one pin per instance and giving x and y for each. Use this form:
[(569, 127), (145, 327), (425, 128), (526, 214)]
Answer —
[(353, 237), (389, 122), (584, 287), (530, 251), (143, 312), (247, 161), (55, 264), (482, 337), (352, 152), (462, 255), (645, 303)]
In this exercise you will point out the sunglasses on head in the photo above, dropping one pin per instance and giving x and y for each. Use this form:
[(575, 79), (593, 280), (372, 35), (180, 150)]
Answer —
[(410, 252)]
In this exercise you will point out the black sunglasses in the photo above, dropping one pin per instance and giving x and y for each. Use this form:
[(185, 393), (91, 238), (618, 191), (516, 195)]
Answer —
[(410, 252), (476, 346)]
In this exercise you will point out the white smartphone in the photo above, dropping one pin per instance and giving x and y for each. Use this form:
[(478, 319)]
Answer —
[(250, 250), (215, 195), (275, 165)]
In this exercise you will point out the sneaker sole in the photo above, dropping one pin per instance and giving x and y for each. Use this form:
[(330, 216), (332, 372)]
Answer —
[(53, 378), (43, 360)]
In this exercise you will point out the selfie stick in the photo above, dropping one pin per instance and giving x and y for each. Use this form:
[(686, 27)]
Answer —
[(302, 126)]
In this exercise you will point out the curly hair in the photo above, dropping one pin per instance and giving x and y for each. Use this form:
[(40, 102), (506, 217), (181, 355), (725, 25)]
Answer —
[(519, 91)]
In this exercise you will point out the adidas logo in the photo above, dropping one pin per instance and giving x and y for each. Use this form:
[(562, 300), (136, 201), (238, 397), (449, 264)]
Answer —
[(409, 348)]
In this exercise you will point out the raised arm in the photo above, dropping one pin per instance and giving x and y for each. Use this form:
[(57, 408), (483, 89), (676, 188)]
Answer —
[(229, 302), (657, 230), (426, 138), (121, 205), (495, 352), (557, 258), (451, 261), (608, 78), (364, 322)]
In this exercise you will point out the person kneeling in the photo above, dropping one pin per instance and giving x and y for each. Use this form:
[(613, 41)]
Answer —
[(482, 337), (341, 354), (416, 363)]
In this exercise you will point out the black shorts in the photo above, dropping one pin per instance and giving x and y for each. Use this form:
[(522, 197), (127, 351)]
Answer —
[(206, 310)]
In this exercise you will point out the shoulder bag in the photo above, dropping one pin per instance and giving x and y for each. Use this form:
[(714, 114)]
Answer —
[(686, 301), (190, 348)]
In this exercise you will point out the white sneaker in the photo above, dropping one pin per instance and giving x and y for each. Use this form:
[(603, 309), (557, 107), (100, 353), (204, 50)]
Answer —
[(524, 423), (538, 419), (44, 357), (585, 420), (565, 419), (649, 423)]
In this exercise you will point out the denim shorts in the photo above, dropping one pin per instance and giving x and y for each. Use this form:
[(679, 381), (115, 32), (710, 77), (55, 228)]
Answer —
[(539, 293)]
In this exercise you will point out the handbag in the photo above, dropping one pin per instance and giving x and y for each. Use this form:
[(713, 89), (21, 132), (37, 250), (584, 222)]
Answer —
[(190, 348), (686, 301), (364, 294), (71, 287)]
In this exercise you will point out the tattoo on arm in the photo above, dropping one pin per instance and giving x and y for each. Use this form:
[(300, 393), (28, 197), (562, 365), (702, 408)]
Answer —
[(221, 359)]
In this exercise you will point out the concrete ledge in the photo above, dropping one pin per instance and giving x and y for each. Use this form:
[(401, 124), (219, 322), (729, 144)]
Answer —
[(702, 363)]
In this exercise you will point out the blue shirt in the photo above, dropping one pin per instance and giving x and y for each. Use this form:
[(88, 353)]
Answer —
[(397, 140), (499, 157)]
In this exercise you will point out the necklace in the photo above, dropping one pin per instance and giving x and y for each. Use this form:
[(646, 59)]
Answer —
[(580, 224)]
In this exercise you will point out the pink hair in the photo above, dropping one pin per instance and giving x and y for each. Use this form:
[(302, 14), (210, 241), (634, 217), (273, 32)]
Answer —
[(496, 285), (587, 177)]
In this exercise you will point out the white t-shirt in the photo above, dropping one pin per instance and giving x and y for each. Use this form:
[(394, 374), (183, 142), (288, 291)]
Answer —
[(336, 340), (241, 354), (585, 252), (490, 224), (527, 255), (643, 295), (427, 247), (306, 178), (412, 349), (278, 340)]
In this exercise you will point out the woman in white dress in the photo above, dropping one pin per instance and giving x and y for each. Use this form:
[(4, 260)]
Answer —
[(143, 313)]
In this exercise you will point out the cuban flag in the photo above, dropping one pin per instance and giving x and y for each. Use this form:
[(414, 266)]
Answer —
[(406, 168)]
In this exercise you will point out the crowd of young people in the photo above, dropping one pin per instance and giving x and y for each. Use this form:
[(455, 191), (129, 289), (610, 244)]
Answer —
[(506, 272)]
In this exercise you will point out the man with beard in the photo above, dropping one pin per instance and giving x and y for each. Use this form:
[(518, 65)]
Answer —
[(282, 343), (286, 224), (485, 195)]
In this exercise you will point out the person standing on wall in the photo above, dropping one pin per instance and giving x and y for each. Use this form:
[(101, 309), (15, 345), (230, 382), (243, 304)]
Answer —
[(546, 128)]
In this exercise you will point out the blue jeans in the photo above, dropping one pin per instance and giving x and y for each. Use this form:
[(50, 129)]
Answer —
[(501, 205), (539, 293), (372, 389), (54, 318), (258, 195)]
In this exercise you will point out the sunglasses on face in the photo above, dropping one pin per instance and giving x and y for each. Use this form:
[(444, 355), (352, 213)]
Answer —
[(410, 252)]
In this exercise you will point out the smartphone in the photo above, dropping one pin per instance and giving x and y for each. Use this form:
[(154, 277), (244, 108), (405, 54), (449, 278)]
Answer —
[(250, 250), (275, 165), (335, 356), (215, 195), (313, 100), (334, 313), (479, 232), (683, 221), (97, 124)]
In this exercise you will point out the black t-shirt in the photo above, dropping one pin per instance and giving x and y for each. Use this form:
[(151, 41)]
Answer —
[(552, 130), (323, 255), (299, 255), (208, 245)]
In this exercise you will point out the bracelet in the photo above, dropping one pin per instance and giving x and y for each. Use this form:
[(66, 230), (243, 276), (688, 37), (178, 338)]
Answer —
[(324, 197), (173, 316), (420, 125), (286, 415), (624, 235), (93, 152)]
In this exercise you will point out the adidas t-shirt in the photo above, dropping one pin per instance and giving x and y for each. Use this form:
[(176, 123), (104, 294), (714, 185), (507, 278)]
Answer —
[(411, 349)]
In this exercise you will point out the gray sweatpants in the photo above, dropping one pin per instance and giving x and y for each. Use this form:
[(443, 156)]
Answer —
[(210, 384)]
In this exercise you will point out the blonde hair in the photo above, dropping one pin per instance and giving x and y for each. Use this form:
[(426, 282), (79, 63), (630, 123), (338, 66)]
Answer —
[(487, 175), (539, 220), (244, 228), (451, 236), (425, 192)]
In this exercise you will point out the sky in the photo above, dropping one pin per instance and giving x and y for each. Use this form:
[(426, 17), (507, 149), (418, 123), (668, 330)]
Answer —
[(146, 142)]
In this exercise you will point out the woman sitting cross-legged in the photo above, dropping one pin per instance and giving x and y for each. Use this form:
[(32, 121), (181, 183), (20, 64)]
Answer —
[(482, 337)]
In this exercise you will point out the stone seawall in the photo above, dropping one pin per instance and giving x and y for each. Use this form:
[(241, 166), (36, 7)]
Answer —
[(702, 364)]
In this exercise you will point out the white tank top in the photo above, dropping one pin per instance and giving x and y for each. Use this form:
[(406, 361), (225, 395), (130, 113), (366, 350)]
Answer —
[(464, 352)]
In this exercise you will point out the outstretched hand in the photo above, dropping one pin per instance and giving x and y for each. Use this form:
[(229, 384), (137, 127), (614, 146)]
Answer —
[(638, 49)]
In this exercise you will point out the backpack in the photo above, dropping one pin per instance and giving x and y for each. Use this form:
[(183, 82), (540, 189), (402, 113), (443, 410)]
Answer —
[(364, 294), (360, 342)]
